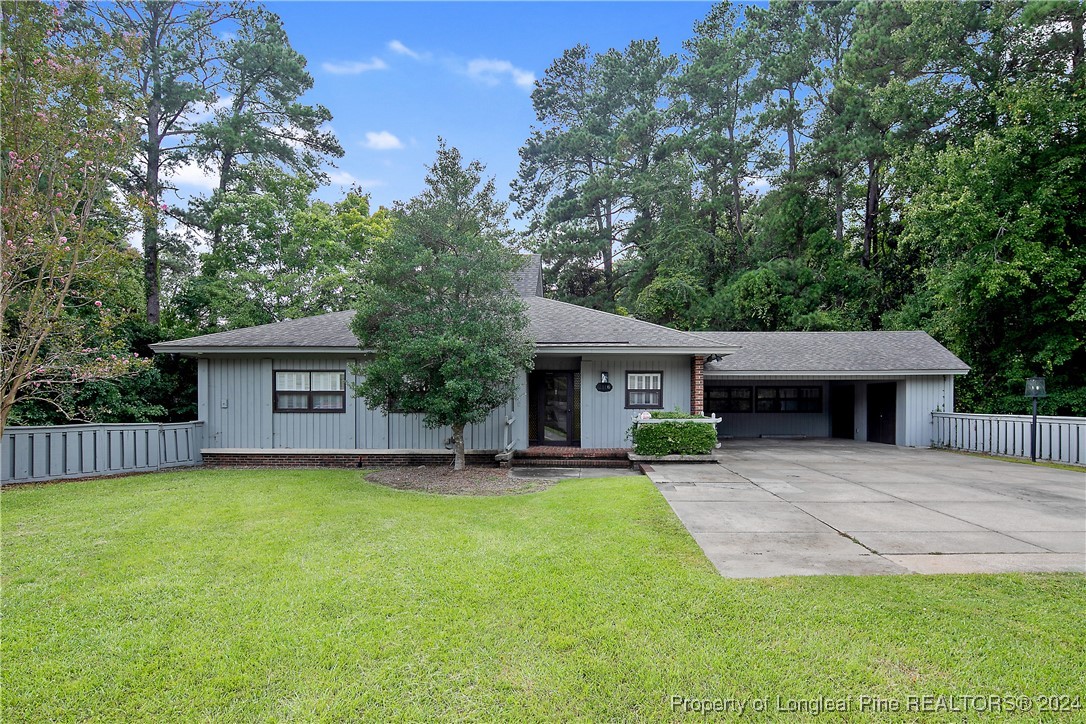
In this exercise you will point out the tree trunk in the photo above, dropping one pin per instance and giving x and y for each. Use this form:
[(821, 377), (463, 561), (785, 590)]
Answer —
[(458, 447), (150, 227), (154, 161), (791, 132), (608, 257), (871, 212), (227, 167), (737, 193), (839, 207), (1078, 43)]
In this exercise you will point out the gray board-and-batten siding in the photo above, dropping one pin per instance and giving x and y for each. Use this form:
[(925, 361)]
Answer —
[(235, 400)]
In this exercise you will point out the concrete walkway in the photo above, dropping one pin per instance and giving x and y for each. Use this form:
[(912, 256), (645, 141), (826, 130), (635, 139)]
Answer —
[(808, 507)]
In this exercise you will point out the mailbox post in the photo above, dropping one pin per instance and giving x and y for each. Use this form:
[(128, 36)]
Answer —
[(1035, 388)]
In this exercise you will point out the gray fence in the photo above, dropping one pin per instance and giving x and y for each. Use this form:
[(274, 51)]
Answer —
[(1059, 439), (29, 454)]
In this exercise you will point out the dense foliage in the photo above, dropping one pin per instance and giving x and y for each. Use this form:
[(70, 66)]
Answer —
[(102, 103), (62, 265), (833, 165)]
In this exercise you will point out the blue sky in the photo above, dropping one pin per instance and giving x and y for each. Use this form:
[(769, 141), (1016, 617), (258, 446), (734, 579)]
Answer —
[(398, 75)]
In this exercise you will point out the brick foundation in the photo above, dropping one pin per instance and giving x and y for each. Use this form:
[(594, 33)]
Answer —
[(697, 385), (267, 459)]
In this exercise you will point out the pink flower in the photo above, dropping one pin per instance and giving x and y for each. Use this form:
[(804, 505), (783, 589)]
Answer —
[(97, 304), (164, 207), (63, 240)]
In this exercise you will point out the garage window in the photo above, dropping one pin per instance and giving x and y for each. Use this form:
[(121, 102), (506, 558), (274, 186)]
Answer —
[(310, 391), (788, 399), (645, 390), (731, 399)]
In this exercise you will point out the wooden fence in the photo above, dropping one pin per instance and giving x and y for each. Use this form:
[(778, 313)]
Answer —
[(1059, 439), (32, 454)]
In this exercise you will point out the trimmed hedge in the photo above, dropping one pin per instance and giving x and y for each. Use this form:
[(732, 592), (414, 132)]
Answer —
[(673, 415), (674, 438)]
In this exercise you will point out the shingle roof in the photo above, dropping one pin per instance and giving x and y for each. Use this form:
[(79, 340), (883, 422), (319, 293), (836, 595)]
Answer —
[(325, 330), (560, 323), (528, 281), (833, 352), (551, 323)]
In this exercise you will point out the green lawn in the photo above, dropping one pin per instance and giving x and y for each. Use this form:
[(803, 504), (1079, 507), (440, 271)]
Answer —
[(246, 595)]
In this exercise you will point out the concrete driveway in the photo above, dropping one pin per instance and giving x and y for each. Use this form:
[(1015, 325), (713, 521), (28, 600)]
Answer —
[(808, 507)]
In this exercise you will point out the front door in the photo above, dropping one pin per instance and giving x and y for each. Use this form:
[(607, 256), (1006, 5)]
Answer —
[(882, 413), (551, 408)]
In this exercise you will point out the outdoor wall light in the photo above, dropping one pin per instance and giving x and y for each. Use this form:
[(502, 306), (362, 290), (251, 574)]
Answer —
[(1035, 387), (604, 385)]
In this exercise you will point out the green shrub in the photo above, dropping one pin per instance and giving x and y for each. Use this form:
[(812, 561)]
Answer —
[(673, 415), (674, 438)]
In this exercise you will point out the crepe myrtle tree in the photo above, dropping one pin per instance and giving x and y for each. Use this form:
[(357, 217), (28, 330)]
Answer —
[(63, 140), (437, 309)]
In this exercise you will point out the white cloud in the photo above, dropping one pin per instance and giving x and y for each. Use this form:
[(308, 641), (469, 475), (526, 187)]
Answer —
[(193, 176), (400, 49), (759, 184), (382, 141), (342, 178), (491, 72), (355, 67), (206, 111)]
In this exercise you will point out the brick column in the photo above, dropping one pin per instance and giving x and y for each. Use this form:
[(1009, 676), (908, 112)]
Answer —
[(697, 385)]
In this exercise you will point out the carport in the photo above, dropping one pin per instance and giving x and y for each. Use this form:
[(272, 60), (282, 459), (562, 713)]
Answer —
[(805, 507), (866, 386)]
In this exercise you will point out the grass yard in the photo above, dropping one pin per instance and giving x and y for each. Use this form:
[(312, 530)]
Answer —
[(246, 595)]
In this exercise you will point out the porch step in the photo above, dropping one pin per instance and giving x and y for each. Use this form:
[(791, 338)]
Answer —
[(549, 456)]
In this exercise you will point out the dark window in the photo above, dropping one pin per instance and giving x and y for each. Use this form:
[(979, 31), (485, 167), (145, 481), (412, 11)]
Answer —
[(788, 399), (645, 390), (309, 391), (731, 399)]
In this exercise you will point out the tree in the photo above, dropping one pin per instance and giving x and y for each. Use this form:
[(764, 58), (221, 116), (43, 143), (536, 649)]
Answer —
[(64, 138), (263, 122), (1000, 221), (175, 77), (437, 307), (591, 175), (713, 102), (280, 255), (231, 60), (783, 38)]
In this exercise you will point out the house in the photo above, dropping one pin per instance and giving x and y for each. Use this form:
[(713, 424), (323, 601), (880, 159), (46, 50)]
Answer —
[(285, 388)]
